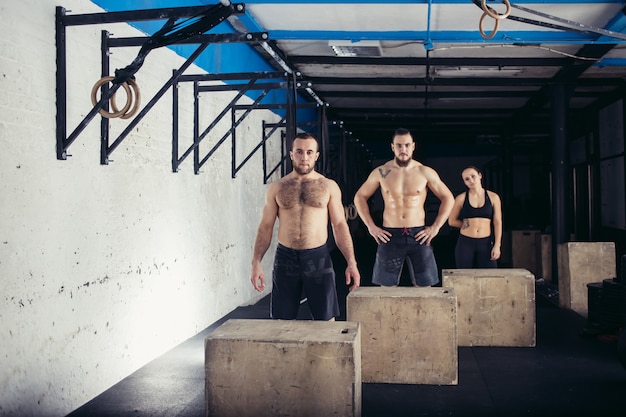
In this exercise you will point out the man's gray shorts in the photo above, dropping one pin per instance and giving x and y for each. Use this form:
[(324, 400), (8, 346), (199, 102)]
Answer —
[(402, 246)]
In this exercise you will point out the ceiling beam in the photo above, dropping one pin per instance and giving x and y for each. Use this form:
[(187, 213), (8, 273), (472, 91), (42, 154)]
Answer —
[(452, 62)]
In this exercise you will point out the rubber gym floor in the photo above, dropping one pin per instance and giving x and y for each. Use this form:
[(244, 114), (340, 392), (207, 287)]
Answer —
[(574, 370)]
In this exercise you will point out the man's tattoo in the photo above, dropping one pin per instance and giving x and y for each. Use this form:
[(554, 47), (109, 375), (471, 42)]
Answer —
[(465, 224), (384, 174)]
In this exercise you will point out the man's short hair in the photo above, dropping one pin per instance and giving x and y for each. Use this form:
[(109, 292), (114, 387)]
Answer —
[(306, 135), (401, 132)]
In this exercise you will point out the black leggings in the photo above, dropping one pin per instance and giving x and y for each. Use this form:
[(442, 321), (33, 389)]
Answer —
[(474, 253)]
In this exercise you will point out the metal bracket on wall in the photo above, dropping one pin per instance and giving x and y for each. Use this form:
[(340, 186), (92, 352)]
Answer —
[(202, 19), (273, 127), (107, 148), (213, 17), (242, 83)]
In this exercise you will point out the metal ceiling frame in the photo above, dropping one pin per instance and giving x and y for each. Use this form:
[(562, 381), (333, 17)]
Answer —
[(595, 43), (566, 32)]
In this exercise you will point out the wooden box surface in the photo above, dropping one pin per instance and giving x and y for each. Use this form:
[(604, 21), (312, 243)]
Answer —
[(408, 334), (579, 264), (283, 368), (495, 307)]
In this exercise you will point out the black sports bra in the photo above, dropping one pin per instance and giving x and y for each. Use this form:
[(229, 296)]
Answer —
[(469, 212)]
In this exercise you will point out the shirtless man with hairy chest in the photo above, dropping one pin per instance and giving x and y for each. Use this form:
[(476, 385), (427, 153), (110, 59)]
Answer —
[(304, 201), (404, 184), (302, 205)]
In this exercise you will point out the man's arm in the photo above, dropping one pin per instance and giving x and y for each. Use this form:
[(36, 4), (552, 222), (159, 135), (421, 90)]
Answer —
[(367, 189), (454, 220), (264, 237), (443, 193), (341, 233)]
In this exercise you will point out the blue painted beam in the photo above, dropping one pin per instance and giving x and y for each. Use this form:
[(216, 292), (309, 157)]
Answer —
[(511, 37), (423, 2), (611, 62)]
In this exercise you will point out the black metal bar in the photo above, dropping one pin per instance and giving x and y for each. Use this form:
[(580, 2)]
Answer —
[(236, 168), (61, 77), (343, 150), (458, 81), (324, 134), (156, 98), (142, 15), (223, 138), (276, 106), (223, 112), (283, 155), (104, 122), (233, 147), (264, 151), (199, 136), (274, 126), (175, 126), (558, 106), (233, 76), (196, 131), (290, 117), (445, 62), (197, 39), (430, 94), (104, 100), (236, 87)]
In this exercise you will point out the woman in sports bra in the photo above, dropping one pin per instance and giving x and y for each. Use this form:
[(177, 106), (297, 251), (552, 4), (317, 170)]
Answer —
[(478, 214)]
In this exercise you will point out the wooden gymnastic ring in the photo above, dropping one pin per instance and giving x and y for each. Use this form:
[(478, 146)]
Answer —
[(482, 32), (493, 13), (351, 213), (135, 99), (115, 113)]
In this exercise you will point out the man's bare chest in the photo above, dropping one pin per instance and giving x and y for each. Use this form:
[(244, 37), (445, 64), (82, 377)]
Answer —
[(311, 194), (402, 183)]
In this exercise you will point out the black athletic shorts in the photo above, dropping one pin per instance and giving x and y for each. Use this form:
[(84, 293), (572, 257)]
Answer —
[(306, 271)]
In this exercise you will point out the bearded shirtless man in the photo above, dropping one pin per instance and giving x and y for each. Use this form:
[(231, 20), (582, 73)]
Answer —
[(404, 184), (303, 201)]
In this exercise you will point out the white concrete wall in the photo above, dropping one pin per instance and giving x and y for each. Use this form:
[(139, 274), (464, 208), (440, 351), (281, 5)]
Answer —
[(104, 268)]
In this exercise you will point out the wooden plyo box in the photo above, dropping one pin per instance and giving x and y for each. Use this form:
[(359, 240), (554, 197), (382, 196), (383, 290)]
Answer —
[(495, 307), (544, 257), (408, 334), (524, 250), (581, 263), (283, 368)]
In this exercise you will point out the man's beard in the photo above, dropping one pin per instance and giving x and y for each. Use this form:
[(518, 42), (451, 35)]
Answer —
[(402, 163), (303, 171)]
